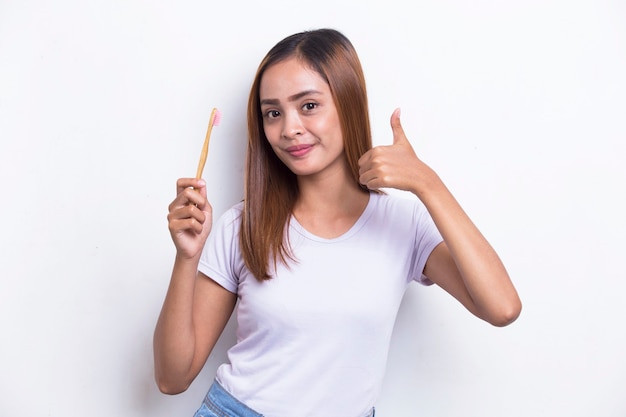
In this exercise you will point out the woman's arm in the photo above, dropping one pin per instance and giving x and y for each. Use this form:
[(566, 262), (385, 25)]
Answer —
[(196, 309), (464, 264)]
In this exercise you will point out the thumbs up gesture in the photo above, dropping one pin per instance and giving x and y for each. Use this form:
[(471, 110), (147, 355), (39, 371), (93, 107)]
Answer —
[(396, 165)]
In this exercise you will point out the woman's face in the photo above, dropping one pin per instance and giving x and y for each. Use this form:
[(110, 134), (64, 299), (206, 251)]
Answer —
[(300, 119)]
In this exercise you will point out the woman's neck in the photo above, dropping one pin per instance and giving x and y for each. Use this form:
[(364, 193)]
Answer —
[(329, 207)]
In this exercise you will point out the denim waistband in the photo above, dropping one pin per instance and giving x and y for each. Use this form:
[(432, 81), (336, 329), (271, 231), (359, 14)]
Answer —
[(223, 404), (219, 402)]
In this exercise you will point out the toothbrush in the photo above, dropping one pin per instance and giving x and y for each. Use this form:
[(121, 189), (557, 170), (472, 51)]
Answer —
[(214, 120)]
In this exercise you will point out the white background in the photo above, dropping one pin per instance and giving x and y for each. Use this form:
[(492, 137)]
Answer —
[(519, 106)]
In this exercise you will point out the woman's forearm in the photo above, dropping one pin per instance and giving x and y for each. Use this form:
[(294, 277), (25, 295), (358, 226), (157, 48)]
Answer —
[(174, 336)]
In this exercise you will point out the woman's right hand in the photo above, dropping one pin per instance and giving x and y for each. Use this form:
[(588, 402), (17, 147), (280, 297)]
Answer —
[(190, 217)]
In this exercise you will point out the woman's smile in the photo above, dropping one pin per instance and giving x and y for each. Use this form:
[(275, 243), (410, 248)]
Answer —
[(299, 151)]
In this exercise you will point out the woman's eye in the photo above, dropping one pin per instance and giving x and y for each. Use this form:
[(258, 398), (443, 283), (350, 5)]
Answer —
[(309, 106), (272, 114)]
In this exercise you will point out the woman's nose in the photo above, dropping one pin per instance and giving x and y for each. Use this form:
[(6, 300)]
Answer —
[(292, 127)]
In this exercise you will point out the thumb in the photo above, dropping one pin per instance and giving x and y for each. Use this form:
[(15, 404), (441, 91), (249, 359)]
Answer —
[(396, 127)]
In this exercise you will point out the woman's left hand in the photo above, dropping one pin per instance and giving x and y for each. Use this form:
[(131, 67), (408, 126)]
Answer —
[(396, 165)]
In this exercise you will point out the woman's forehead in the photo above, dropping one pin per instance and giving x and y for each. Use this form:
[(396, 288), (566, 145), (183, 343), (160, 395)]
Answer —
[(288, 78)]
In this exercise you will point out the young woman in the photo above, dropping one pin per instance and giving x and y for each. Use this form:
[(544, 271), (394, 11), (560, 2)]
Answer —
[(316, 258)]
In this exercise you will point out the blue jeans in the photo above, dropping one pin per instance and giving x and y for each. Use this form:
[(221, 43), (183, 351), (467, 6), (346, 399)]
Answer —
[(220, 403)]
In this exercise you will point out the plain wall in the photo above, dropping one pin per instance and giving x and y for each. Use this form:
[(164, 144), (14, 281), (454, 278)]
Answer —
[(519, 106)]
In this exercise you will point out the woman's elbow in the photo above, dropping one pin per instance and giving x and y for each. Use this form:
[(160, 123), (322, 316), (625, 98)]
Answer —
[(506, 314), (169, 386)]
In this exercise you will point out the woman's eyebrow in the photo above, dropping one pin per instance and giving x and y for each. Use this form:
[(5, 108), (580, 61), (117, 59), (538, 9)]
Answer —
[(295, 97)]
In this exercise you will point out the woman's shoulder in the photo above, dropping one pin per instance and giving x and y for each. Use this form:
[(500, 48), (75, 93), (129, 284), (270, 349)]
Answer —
[(235, 210), (232, 215), (397, 210), (395, 202)]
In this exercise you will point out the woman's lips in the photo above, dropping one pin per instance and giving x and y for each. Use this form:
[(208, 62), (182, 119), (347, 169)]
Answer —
[(299, 150)]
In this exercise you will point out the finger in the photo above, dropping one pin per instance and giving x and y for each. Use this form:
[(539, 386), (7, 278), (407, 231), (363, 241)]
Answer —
[(190, 190), (396, 127), (188, 211), (364, 161), (369, 178), (187, 197), (183, 183), (372, 183), (192, 196), (185, 225), (187, 214)]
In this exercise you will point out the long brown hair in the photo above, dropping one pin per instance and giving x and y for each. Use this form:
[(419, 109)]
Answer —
[(271, 189)]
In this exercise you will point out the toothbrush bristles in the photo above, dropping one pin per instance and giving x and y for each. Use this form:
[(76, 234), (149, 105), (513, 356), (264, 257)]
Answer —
[(217, 117)]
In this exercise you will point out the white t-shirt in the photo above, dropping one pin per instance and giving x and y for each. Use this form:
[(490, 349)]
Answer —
[(313, 340)]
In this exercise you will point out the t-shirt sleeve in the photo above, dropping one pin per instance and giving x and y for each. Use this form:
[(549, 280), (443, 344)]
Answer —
[(220, 257), (427, 237)]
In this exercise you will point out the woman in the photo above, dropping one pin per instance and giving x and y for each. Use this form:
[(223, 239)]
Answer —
[(316, 256)]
